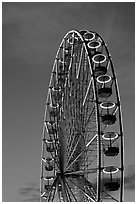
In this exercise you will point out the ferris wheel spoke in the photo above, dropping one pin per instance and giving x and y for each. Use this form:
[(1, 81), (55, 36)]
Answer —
[(72, 50), (90, 116), (80, 172), (104, 127), (51, 195), (88, 196), (87, 118), (80, 60), (64, 55), (87, 91), (86, 112), (74, 149), (92, 139), (51, 190), (90, 163), (75, 159), (67, 191), (59, 195), (116, 109), (70, 146), (92, 151), (64, 191), (110, 196), (73, 136), (90, 190), (71, 191)]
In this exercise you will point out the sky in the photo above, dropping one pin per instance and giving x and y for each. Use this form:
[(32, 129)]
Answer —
[(31, 34)]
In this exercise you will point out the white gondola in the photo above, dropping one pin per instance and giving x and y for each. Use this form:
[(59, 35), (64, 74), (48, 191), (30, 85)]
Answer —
[(110, 170), (99, 58), (56, 94), (110, 136), (51, 127), (105, 91), (49, 164), (50, 145), (48, 181), (108, 118), (107, 105), (111, 183), (94, 44), (110, 146), (54, 110), (88, 36)]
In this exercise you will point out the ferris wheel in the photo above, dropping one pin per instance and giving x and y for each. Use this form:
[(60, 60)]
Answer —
[(82, 146)]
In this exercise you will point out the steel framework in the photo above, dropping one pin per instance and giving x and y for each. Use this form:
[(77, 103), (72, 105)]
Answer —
[(82, 144)]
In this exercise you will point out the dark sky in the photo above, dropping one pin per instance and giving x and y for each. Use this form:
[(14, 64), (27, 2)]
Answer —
[(32, 33)]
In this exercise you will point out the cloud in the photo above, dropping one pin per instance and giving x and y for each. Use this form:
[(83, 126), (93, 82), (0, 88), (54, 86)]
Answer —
[(30, 193)]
